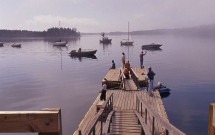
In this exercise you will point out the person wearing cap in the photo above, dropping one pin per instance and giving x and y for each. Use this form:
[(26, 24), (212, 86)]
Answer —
[(141, 59), (123, 59), (150, 75), (103, 90)]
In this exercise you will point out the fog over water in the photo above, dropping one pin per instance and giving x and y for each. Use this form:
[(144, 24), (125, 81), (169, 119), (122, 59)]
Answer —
[(103, 15), (39, 75)]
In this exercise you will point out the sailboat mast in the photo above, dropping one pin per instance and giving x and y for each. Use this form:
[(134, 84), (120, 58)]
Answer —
[(128, 31)]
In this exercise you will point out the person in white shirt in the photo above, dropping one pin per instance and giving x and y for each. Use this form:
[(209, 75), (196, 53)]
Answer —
[(123, 59), (103, 90)]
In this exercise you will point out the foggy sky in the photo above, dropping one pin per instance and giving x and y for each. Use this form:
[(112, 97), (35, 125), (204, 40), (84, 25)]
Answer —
[(105, 15)]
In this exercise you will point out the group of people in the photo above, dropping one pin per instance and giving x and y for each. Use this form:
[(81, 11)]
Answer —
[(127, 69)]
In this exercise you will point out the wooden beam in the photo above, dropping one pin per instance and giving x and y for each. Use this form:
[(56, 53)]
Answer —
[(211, 125), (45, 121)]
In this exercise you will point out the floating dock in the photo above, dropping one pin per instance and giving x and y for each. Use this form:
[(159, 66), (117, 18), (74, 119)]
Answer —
[(127, 110)]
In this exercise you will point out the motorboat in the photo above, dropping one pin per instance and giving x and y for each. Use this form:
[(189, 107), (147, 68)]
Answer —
[(161, 88), (60, 43), (164, 90), (83, 53), (16, 45), (105, 39), (1, 44), (127, 42), (151, 46)]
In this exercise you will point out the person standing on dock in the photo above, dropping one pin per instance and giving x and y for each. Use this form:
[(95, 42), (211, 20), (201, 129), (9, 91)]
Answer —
[(113, 65), (150, 75), (141, 59), (123, 59), (103, 90), (128, 66)]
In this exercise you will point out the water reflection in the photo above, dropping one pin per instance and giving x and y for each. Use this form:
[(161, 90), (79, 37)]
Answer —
[(164, 95), (80, 58), (105, 46), (152, 49), (61, 48)]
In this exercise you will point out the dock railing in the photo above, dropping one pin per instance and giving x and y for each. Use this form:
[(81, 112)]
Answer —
[(135, 78), (100, 117), (123, 78), (153, 119), (211, 125), (47, 121)]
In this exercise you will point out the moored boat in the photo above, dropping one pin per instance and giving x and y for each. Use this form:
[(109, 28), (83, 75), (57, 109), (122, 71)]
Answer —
[(16, 45), (60, 43), (127, 42), (81, 52), (151, 46), (105, 39), (161, 88)]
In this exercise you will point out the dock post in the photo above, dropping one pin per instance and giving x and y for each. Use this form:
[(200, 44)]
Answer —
[(167, 132), (94, 130), (153, 126), (211, 125), (101, 124), (141, 110), (146, 116), (79, 132)]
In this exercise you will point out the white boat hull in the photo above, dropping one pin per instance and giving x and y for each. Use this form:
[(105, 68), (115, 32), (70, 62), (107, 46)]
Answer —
[(16, 45), (127, 43), (60, 43)]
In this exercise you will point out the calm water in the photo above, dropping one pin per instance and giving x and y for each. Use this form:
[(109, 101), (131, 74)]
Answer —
[(39, 75)]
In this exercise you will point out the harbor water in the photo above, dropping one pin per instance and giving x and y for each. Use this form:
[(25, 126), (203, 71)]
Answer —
[(40, 75)]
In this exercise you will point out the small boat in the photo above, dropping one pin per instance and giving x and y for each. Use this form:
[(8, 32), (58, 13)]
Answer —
[(105, 39), (151, 46), (164, 90), (127, 42), (16, 45), (1, 44), (60, 43), (161, 88), (83, 53)]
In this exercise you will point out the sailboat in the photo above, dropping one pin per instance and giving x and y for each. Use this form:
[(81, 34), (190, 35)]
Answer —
[(60, 43), (127, 42)]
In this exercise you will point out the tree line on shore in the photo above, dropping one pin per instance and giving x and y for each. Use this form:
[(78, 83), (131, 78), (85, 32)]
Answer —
[(51, 32)]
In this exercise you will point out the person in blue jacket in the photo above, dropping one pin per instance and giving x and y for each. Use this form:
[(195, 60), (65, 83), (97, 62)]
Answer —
[(150, 75)]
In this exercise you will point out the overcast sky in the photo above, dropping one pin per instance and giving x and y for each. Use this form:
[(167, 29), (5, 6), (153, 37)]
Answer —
[(105, 15)]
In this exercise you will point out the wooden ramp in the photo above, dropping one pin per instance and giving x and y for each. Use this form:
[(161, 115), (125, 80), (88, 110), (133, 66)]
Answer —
[(130, 85), (125, 122), (124, 101)]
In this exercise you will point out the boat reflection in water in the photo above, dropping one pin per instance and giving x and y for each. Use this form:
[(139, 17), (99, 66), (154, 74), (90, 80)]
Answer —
[(164, 95), (61, 47), (152, 49), (80, 58)]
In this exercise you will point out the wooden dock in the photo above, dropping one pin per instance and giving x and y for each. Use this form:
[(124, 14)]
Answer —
[(127, 110), (114, 78)]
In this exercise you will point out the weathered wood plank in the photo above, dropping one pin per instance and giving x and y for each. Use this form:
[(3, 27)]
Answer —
[(46, 121)]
